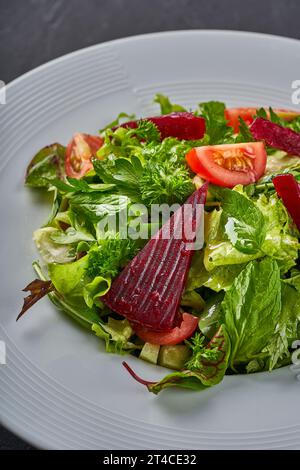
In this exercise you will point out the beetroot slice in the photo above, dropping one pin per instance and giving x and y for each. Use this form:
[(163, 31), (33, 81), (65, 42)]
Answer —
[(149, 289), (288, 190), (183, 125), (276, 136)]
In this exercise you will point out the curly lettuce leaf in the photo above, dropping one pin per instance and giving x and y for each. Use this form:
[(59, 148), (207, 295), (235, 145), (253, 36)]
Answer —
[(96, 288), (219, 251), (281, 240), (218, 279), (68, 277)]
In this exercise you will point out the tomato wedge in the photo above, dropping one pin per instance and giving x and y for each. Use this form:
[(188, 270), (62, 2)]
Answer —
[(175, 336), (230, 164), (79, 153), (247, 114)]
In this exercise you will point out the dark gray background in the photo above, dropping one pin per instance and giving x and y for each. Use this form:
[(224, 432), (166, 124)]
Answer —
[(35, 31)]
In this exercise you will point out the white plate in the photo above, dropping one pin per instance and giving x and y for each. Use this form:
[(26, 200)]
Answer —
[(59, 389)]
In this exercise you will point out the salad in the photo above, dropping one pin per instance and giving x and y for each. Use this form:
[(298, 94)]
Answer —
[(223, 298)]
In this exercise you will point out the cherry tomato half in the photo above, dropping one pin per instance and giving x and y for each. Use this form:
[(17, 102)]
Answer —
[(79, 153), (175, 336), (230, 164), (247, 114)]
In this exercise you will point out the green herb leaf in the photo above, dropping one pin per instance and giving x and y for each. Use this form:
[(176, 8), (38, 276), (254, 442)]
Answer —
[(110, 256), (166, 107), (216, 125), (251, 309), (162, 182), (116, 122)]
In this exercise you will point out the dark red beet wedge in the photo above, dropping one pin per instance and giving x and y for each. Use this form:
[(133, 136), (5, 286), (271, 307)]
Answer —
[(288, 190), (276, 136), (149, 289), (183, 125)]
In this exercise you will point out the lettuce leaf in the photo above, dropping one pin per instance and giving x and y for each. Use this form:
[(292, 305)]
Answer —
[(219, 251), (116, 334), (208, 365), (48, 164), (68, 277), (281, 240), (243, 222), (251, 309), (166, 107), (51, 251), (244, 230)]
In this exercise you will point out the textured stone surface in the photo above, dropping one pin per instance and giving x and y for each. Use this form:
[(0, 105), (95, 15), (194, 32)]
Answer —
[(35, 31)]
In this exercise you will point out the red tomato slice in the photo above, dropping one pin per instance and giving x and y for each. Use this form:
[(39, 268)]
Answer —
[(230, 164), (175, 336), (247, 114), (79, 153)]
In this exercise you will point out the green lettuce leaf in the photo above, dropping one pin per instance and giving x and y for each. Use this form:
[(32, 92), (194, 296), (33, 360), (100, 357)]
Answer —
[(251, 309), (218, 279), (281, 240), (219, 251), (166, 107), (116, 334), (210, 319), (192, 299), (95, 206), (51, 251), (96, 288), (243, 222), (73, 305), (68, 277)]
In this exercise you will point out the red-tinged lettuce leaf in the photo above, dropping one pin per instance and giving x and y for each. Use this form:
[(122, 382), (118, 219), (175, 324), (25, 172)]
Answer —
[(47, 165), (209, 372), (276, 136), (149, 289), (38, 289)]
